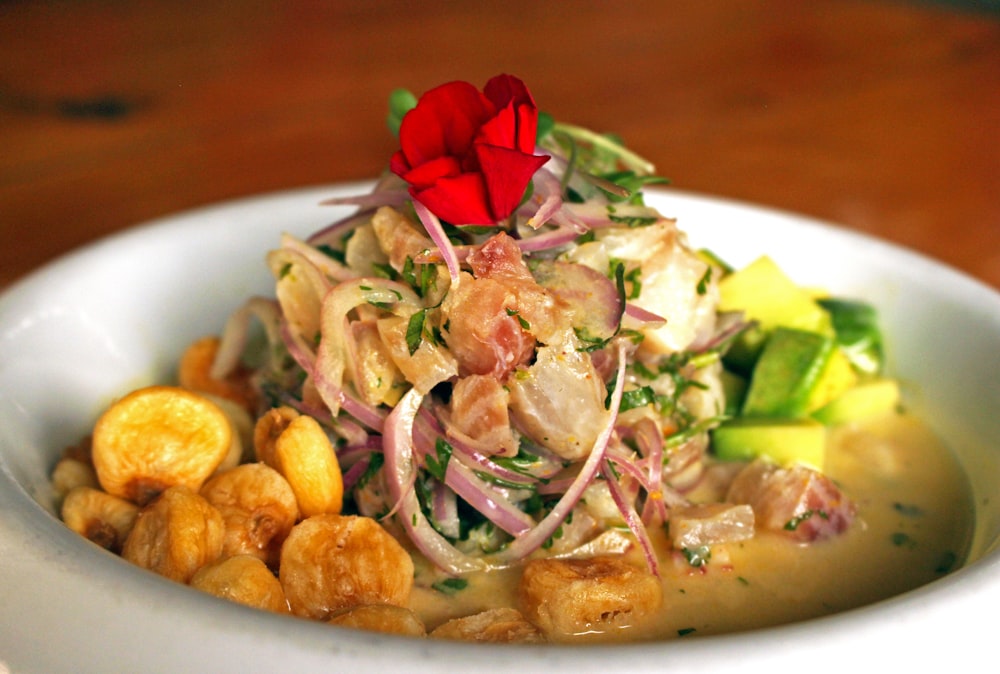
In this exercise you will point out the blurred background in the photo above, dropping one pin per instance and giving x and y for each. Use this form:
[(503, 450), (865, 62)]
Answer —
[(882, 116)]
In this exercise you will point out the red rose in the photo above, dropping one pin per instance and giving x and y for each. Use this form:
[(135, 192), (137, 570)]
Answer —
[(468, 155)]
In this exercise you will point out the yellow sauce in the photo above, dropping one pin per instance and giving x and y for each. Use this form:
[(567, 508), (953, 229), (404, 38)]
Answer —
[(914, 524)]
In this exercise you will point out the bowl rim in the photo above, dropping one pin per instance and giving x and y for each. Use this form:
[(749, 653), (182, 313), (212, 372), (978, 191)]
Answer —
[(33, 541)]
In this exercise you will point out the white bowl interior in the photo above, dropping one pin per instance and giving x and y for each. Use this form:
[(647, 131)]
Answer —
[(116, 315)]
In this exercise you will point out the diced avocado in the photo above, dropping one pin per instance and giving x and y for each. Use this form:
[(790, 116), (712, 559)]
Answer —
[(867, 399), (743, 352), (788, 374), (766, 294), (784, 441), (856, 326), (837, 377), (735, 388), (771, 299)]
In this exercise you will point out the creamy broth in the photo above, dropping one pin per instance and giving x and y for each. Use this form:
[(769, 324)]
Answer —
[(914, 524)]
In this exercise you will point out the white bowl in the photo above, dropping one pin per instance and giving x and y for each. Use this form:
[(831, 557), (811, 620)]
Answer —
[(116, 315)]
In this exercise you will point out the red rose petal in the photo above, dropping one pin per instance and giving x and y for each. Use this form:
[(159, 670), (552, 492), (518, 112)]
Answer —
[(444, 122), (507, 173), (461, 200), (425, 175)]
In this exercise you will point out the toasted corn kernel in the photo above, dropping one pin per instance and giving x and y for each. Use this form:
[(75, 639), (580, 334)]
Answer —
[(98, 516), (499, 625), (241, 448), (242, 579), (69, 473), (268, 429), (384, 618), (156, 437), (194, 372), (176, 534), (567, 597), (258, 507), (333, 562), (307, 460)]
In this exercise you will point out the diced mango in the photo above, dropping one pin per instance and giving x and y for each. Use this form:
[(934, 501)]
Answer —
[(865, 400)]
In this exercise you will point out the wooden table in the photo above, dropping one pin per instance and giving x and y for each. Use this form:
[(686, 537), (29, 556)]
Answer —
[(883, 116)]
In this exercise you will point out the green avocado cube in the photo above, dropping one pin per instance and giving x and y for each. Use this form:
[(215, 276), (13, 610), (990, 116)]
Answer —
[(787, 374), (767, 296), (783, 441)]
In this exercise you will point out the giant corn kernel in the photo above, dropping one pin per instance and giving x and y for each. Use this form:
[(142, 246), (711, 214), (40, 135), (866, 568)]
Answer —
[(194, 372), (499, 625), (384, 618), (571, 597), (176, 534), (156, 437), (242, 425), (333, 562), (306, 458), (268, 429), (258, 508), (69, 473), (98, 516), (242, 579)]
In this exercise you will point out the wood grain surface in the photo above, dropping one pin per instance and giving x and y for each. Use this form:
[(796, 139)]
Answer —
[(881, 116)]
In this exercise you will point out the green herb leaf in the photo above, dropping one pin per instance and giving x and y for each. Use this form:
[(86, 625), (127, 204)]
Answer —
[(698, 556), (450, 586), (437, 465), (520, 319), (639, 397), (415, 331)]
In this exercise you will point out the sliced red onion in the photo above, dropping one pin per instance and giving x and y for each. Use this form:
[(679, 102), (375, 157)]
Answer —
[(490, 502), (351, 475), (436, 231), (236, 333), (323, 262), (647, 318), (400, 472), (631, 518), (444, 509)]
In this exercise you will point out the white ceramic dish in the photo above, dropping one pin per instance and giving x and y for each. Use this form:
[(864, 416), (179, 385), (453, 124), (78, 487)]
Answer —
[(116, 314)]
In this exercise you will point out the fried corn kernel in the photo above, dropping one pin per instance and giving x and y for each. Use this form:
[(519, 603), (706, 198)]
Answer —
[(156, 437), (569, 597), (268, 429), (70, 473), (332, 562), (384, 618), (258, 508), (499, 625), (98, 516), (176, 534), (306, 458), (242, 425), (194, 372), (243, 579)]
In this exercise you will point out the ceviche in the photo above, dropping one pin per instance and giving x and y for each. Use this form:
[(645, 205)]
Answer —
[(504, 399)]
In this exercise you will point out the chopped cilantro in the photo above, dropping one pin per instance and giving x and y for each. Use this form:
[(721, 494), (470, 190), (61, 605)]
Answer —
[(437, 465), (698, 556), (450, 585), (414, 331), (793, 524)]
